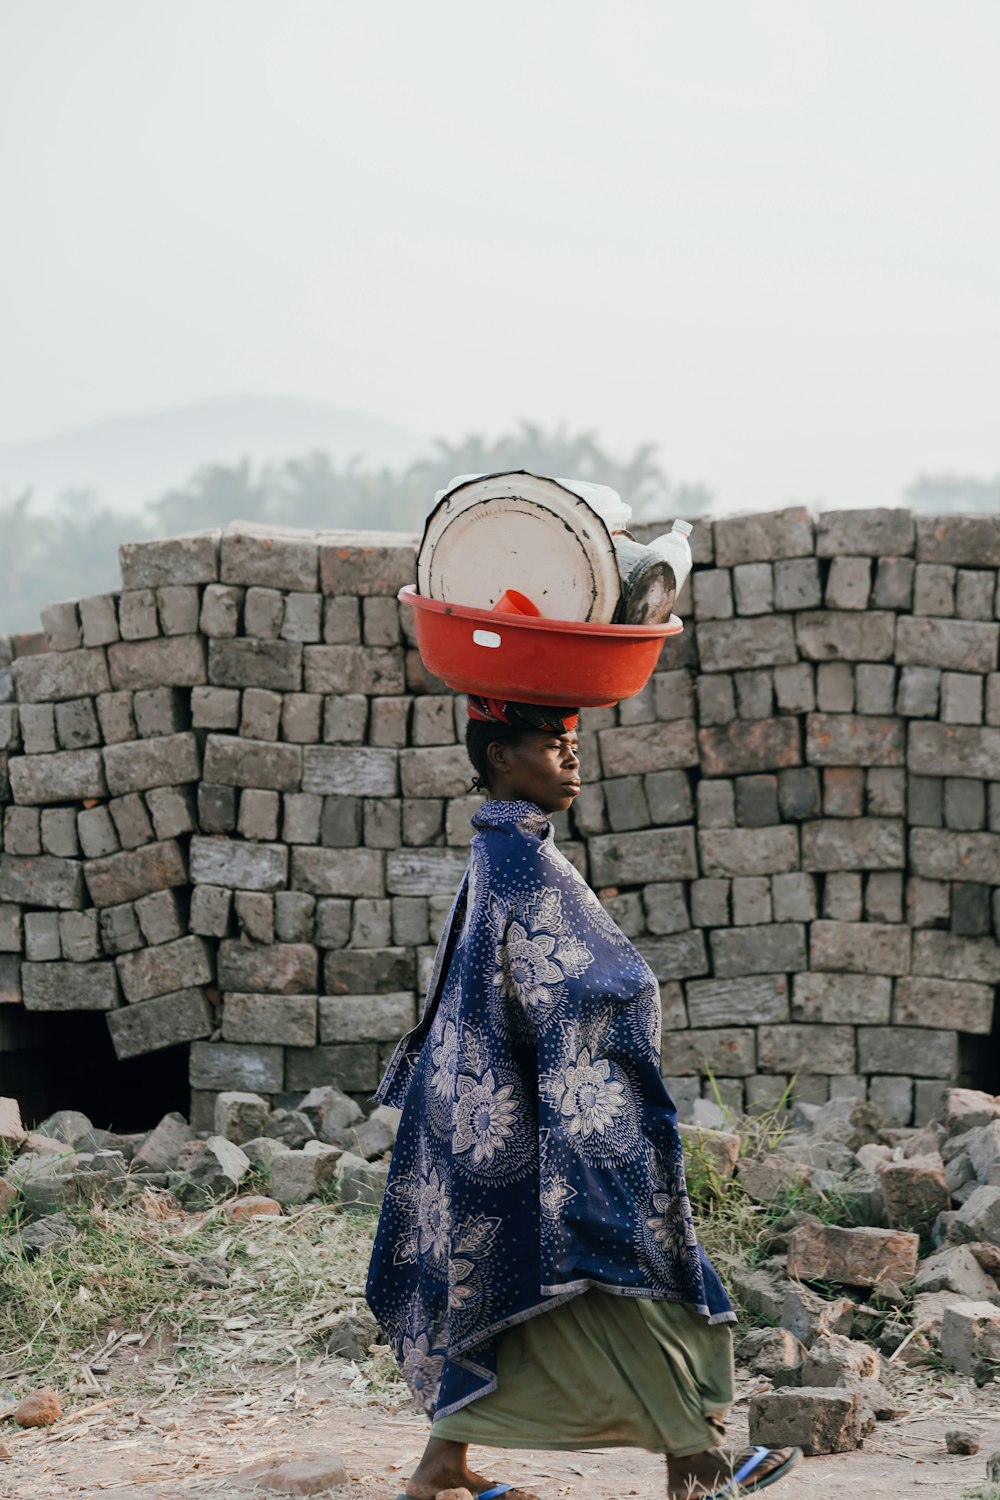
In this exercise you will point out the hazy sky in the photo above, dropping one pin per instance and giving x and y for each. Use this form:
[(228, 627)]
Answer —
[(764, 234)]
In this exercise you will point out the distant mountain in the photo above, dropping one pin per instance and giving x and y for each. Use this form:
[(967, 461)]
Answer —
[(130, 460)]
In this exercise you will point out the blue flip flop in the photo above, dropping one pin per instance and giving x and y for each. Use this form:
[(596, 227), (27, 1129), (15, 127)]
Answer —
[(493, 1494), (746, 1470)]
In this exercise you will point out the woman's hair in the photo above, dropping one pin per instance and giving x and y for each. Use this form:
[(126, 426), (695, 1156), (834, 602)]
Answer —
[(479, 736)]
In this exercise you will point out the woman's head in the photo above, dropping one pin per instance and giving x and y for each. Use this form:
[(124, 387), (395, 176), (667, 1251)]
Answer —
[(518, 763)]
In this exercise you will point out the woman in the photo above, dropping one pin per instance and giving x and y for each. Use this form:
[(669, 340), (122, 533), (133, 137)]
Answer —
[(538, 1168)]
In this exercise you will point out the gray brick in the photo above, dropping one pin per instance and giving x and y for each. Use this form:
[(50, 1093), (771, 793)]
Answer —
[(758, 950), (442, 771), (716, 804), (341, 822), (842, 897), (885, 793), (875, 688), (853, 844), (966, 540), (159, 917), (970, 908), (256, 664), (61, 624), (294, 917), (424, 872), (339, 872), (748, 851), (22, 830), (114, 710), (954, 750), (183, 964), (798, 793), (41, 880), (11, 929), (751, 897), (713, 594), (127, 876), (210, 908), (754, 694), (380, 621), (842, 635), (58, 830), (903, 1049), (835, 687), (964, 804), (66, 776), (793, 897), (716, 699), (252, 763), (178, 608), (263, 613), (635, 858), (303, 619), (41, 936), (375, 670), (254, 912), (668, 796), (948, 956), (676, 955), (238, 866), (961, 698), (626, 803), (648, 747), (119, 929), (847, 999), (409, 921), (365, 1018), (259, 814), (626, 910), (69, 986), (945, 1004), (97, 833), (172, 811), (10, 728), (343, 771), (799, 1049), (723, 1051), (666, 908), (725, 645), (177, 662), (342, 621), (940, 855), (142, 764), (288, 1020), (131, 820), (260, 717), (76, 724), (216, 808), (459, 812), (231, 1065), (884, 896), (738, 1002), (221, 608), (710, 903), (928, 903), (860, 947), (56, 676), (301, 820), (893, 583), (934, 589), (794, 690), (870, 533), (843, 791), (345, 718), (352, 1068), (757, 801), (301, 718), (673, 695), (974, 593), (796, 584), (753, 586), (38, 728), (371, 923), (953, 645), (275, 556), (372, 971), (743, 748), (764, 538), (848, 583), (333, 923), (178, 559), (168, 1021), (284, 969), (353, 562), (854, 740), (79, 941)]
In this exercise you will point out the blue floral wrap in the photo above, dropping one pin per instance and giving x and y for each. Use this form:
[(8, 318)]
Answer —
[(538, 1153)]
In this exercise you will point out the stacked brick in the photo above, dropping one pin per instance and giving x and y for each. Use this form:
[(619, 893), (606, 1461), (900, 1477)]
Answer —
[(235, 810)]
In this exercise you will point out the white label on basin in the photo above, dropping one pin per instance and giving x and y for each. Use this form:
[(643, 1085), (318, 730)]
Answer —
[(486, 638)]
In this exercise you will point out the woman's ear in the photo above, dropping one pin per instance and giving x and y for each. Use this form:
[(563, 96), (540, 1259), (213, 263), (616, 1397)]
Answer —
[(496, 755)]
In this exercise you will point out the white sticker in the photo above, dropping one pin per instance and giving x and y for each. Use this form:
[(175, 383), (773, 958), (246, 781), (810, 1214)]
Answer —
[(485, 638)]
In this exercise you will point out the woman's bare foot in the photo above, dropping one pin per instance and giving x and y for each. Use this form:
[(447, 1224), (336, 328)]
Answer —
[(445, 1466), (704, 1473)]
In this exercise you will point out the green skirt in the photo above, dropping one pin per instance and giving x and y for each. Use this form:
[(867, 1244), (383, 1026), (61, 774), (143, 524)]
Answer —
[(604, 1371)]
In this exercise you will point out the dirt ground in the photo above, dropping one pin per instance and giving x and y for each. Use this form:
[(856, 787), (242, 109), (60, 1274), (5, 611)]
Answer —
[(166, 1448)]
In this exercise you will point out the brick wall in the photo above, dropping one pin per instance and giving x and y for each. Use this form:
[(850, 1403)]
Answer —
[(235, 810)]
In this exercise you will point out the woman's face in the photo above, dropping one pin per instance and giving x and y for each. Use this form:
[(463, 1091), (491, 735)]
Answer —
[(540, 768)]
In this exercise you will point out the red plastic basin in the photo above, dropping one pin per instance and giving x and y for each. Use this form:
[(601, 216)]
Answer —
[(534, 660)]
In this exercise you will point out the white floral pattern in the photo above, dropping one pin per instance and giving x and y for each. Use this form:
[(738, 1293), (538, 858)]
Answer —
[(484, 1116), (591, 1099), (537, 954)]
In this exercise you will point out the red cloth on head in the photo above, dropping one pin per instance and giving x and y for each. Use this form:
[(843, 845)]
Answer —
[(545, 718)]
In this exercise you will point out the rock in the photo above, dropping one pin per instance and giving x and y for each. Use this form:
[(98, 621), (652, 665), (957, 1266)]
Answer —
[(707, 1115), (330, 1111), (872, 1156), (833, 1359), (808, 1315), (12, 1131), (915, 1192), (889, 1293), (261, 1152), (966, 1109), (45, 1184), (372, 1139), (459, 1494), (970, 1339), (982, 1146), (217, 1169), (962, 1440), (43, 1234), (294, 1476), (362, 1184), (251, 1206), (852, 1122), (160, 1150), (955, 1269), (299, 1175), (769, 1178), (39, 1410), (762, 1292), (988, 1257), (240, 1116), (977, 1219), (774, 1352), (852, 1257), (816, 1420), (44, 1145), (351, 1336), (208, 1270), (993, 1469), (385, 1115), (290, 1126), (8, 1196), (66, 1125)]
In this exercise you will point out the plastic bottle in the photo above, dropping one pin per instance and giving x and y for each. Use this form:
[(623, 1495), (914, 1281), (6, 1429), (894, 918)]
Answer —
[(673, 546)]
